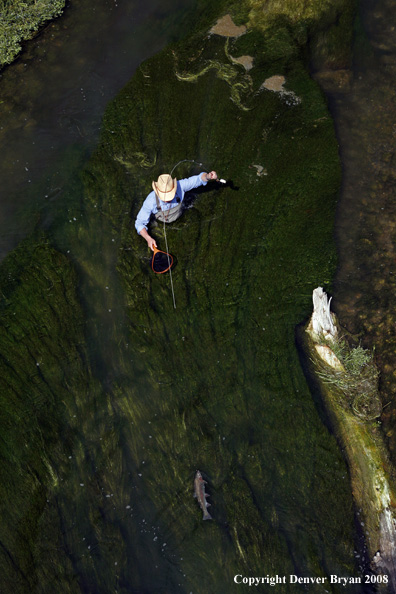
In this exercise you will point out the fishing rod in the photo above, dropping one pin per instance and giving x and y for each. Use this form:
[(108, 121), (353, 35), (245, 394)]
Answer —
[(185, 161), (221, 181)]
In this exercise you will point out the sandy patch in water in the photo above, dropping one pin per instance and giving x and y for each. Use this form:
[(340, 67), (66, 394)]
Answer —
[(245, 61), (227, 28), (274, 83)]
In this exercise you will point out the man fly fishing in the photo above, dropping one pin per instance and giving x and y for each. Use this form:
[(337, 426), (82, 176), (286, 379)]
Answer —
[(165, 202)]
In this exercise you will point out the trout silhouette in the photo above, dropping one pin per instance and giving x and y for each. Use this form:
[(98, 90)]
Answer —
[(199, 493)]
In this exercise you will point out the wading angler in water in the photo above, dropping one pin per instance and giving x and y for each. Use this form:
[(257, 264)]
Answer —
[(165, 202)]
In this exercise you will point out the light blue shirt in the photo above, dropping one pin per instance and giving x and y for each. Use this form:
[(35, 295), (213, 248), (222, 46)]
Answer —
[(150, 204)]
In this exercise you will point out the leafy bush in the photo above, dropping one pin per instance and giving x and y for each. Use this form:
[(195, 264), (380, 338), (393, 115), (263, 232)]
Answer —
[(20, 21)]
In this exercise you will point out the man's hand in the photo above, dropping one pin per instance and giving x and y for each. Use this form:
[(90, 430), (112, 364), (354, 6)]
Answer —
[(150, 241), (209, 176)]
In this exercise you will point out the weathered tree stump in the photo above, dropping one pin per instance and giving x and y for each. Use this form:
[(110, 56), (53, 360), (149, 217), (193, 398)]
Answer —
[(349, 384)]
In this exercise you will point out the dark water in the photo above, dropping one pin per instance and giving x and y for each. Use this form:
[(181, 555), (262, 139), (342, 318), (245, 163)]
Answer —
[(52, 99), (365, 115)]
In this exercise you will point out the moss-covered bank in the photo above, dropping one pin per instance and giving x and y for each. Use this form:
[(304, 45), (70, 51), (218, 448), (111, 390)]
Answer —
[(214, 384)]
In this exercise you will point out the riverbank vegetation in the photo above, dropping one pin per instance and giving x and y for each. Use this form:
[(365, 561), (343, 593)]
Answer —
[(20, 20)]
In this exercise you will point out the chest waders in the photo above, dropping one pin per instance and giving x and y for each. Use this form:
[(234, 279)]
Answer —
[(170, 215)]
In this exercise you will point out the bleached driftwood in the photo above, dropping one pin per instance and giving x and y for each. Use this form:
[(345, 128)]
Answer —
[(355, 421), (322, 320)]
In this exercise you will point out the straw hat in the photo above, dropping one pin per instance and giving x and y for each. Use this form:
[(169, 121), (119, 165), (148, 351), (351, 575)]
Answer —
[(165, 187)]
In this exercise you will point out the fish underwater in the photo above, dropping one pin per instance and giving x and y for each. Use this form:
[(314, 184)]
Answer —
[(199, 493)]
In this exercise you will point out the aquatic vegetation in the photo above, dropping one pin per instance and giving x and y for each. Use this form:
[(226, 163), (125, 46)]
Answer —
[(327, 26), (43, 362), (239, 85), (140, 158), (217, 370)]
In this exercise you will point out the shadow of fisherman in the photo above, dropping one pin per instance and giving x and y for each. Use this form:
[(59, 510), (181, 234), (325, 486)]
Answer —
[(165, 202)]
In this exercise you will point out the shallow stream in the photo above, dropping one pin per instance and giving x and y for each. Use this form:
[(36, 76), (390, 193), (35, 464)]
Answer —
[(53, 97), (215, 384)]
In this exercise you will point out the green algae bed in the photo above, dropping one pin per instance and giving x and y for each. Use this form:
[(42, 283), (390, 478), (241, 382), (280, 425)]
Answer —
[(112, 398)]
